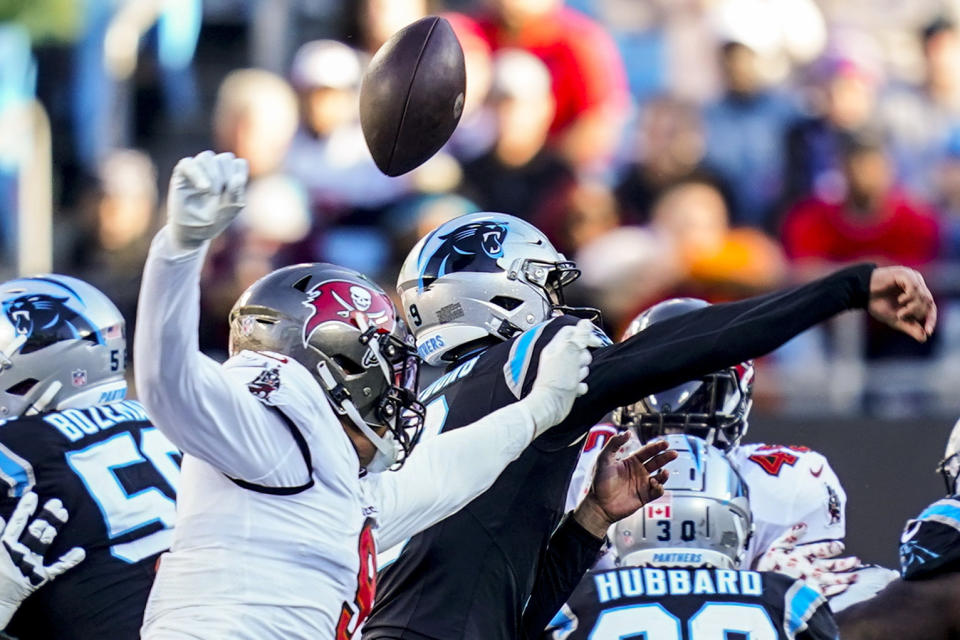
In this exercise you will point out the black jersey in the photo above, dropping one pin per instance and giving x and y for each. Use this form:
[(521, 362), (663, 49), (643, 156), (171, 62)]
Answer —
[(930, 543), (470, 575), (692, 604), (116, 475)]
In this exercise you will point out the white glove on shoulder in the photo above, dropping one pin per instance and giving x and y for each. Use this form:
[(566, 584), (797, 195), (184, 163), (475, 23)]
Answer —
[(206, 193), (21, 561), (815, 563), (564, 364)]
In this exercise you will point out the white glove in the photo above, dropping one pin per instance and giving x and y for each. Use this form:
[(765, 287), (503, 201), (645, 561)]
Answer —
[(206, 193), (815, 563), (21, 561), (564, 364)]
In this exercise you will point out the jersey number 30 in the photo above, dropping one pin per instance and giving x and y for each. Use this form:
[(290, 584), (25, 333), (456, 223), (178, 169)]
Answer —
[(714, 621), (124, 513)]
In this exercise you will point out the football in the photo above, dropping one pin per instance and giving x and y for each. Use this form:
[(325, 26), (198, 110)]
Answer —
[(411, 96)]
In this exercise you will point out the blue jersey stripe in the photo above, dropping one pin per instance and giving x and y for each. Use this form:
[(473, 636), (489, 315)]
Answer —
[(14, 472), (521, 353), (801, 608)]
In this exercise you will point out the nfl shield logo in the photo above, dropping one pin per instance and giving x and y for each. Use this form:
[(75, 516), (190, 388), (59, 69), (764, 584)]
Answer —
[(79, 377)]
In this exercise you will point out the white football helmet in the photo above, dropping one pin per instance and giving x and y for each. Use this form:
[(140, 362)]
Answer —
[(62, 346), (480, 278), (702, 519)]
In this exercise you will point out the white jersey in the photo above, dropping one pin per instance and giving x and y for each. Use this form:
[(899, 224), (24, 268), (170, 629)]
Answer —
[(789, 485), (291, 554)]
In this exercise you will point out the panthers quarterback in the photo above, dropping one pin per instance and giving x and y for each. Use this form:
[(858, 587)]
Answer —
[(286, 493), (70, 440), (681, 574), (483, 294)]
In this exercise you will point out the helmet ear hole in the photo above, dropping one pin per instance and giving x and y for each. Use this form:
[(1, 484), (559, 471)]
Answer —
[(506, 302), (23, 387), (349, 366)]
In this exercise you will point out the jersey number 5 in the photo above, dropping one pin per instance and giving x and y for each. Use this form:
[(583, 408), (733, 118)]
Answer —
[(124, 513)]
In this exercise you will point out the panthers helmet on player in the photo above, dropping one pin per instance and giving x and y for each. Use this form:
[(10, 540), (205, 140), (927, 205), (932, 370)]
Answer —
[(62, 346), (715, 407), (477, 278), (702, 519), (949, 467), (344, 329)]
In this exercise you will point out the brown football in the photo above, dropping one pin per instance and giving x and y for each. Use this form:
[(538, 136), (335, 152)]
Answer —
[(412, 95)]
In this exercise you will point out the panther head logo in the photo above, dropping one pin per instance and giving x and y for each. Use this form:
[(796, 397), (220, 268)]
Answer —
[(472, 247), (44, 320)]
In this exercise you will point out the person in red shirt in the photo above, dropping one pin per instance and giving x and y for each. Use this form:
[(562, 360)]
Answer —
[(875, 220), (589, 81)]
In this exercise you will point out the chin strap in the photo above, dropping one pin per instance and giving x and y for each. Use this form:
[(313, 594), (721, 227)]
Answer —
[(387, 450), (38, 405)]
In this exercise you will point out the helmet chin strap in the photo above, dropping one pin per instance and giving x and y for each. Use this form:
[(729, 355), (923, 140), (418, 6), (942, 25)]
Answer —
[(38, 405), (387, 449)]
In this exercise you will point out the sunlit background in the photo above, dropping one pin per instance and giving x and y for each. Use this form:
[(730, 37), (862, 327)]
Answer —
[(712, 148)]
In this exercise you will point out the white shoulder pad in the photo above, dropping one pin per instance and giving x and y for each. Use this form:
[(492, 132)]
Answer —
[(789, 485)]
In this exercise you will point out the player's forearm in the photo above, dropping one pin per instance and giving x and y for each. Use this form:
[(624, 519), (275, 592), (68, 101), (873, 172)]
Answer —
[(571, 552), (448, 471), (721, 335)]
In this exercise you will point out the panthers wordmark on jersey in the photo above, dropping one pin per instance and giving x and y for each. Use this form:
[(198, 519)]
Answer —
[(117, 476), (692, 604)]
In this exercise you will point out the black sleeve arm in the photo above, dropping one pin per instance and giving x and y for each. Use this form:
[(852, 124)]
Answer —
[(570, 554), (706, 340)]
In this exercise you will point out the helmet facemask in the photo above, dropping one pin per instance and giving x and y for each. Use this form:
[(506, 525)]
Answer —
[(714, 408)]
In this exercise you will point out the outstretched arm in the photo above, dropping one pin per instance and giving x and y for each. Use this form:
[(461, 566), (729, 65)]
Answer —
[(188, 396), (722, 335)]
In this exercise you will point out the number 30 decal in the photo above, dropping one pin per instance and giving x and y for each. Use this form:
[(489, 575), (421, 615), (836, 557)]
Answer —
[(714, 621)]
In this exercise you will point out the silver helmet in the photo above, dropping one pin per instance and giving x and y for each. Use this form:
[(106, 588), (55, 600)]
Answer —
[(715, 407), (703, 517), (949, 466), (477, 278), (344, 329), (62, 346)]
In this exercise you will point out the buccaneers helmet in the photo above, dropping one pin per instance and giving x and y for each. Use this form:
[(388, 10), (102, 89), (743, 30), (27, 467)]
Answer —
[(481, 277), (62, 346), (344, 329), (714, 407)]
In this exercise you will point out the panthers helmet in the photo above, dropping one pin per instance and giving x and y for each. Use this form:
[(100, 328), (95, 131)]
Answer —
[(478, 278), (715, 407), (344, 329), (949, 467), (702, 519), (62, 346)]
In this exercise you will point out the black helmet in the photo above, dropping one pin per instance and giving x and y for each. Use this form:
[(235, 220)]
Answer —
[(345, 330), (714, 407)]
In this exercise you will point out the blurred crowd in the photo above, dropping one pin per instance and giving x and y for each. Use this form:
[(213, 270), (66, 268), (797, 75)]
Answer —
[(710, 148)]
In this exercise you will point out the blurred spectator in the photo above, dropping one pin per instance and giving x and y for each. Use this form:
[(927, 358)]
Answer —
[(519, 175), (328, 154), (948, 204), (589, 83), (922, 118), (589, 211), (717, 262), (875, 221), (845, 96), (380, 19), (670, 147), (255, 117), (745, 130), (107, 243)]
